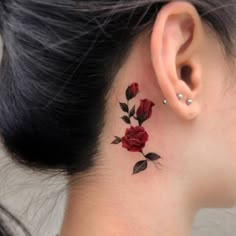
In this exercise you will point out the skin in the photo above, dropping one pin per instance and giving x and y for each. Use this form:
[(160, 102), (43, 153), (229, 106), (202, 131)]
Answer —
[(197, 143)]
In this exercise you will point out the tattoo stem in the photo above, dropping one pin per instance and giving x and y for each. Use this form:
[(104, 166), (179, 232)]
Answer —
[(143, 154), (128, 113)]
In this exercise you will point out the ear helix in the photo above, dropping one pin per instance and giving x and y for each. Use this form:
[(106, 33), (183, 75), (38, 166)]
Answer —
[(180, 97)]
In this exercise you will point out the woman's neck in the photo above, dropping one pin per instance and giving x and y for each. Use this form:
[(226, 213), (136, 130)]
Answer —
[(134, 206)]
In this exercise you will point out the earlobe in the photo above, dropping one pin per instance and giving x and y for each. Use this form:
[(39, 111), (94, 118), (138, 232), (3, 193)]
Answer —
[(175, 44)]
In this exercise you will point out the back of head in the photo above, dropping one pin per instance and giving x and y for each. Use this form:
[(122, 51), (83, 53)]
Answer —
[(58, 62)]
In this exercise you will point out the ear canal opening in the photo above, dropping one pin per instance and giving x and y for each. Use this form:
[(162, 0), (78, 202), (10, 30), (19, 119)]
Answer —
[(186, 72)]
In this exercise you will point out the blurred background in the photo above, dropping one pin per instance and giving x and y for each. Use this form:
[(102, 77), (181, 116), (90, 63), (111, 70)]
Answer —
[(38, 200)]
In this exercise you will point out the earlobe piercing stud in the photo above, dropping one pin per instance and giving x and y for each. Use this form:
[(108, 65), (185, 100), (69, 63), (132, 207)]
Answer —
[(189, 102), (180, 97)]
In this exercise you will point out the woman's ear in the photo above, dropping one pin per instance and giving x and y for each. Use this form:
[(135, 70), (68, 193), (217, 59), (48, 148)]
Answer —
[(176, 42)]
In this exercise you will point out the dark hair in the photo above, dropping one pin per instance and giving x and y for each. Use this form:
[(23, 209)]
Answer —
[(59, 62)]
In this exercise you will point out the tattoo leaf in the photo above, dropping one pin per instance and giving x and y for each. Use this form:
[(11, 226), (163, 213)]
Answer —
[(152, 156), (140, 166), (132, 111), (128, 94), (126, 119), (124, 107), (117, 140)]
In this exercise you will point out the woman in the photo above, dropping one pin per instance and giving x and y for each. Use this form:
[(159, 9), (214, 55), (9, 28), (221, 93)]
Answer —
[(133, 100)]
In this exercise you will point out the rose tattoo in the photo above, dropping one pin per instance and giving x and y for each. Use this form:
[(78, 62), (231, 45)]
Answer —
[(136, 137)]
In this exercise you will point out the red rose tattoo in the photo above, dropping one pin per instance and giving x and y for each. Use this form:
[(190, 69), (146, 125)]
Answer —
[(132, 91), (135, 137), (144, 111)]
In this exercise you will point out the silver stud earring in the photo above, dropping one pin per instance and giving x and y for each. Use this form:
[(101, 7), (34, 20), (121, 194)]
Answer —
[(180, 96), (165, 102), (189, 102)]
